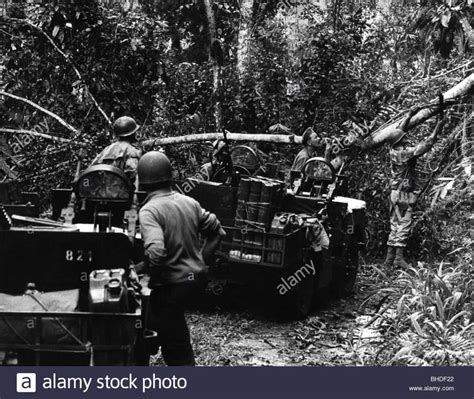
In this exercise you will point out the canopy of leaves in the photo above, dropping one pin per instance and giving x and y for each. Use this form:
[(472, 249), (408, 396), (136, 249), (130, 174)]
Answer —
[(302, 67)]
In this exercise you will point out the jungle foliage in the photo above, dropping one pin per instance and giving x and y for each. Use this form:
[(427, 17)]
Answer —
[(155, 63), (299, 67)]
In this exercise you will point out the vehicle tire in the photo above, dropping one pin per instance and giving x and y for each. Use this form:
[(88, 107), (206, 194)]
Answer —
[(297, 302)]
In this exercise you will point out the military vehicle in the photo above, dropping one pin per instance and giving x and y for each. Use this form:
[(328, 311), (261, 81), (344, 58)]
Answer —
[(66, 283), (300, 242), (67, 295)]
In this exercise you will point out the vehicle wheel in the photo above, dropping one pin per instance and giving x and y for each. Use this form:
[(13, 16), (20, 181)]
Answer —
[(296, 303)]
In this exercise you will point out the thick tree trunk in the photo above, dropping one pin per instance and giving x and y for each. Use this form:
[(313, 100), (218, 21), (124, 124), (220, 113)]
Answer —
[(390, 133), (216, 69), (375, 139), (194, 138), (243, 40)]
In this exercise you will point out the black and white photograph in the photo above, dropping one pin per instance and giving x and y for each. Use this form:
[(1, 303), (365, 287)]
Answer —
[(222, 183)]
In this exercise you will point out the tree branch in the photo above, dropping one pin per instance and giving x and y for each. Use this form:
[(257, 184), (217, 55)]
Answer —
[(33, 133), (387, 133), (5, 169), (440, 75), (69, 62), (38, 107)]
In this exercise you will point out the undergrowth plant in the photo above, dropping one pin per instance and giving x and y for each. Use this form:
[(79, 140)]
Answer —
[(435, 315)]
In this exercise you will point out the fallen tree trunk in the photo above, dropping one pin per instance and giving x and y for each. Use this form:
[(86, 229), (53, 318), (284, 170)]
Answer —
[(194, 138), (388, 133), (374, 140)]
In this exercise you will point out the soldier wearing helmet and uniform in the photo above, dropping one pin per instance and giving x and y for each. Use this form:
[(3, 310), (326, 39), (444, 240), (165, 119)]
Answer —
[(122, 154), (170, 226), (404, 189), (217, 159)]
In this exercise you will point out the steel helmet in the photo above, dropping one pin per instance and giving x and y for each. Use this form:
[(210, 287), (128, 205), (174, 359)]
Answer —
[(125, 126), (154, 167)]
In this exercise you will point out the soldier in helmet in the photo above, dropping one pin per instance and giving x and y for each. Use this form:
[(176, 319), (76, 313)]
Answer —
[(404, 189), (122, 154), (170, 226), (217, 159)]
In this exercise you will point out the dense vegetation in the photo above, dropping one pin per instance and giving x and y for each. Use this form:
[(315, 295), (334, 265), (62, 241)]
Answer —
[(88, 64)]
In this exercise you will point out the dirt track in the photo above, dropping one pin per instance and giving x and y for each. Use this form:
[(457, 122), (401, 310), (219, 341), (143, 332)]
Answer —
[(237, 329)]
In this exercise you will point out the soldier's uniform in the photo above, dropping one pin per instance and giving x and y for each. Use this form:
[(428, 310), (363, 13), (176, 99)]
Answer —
[(300, 159), (171, 225), (122, 155), (404, 194)]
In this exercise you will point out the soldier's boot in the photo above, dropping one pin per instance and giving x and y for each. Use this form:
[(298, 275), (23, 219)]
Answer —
[(400, 262), (390, 257)]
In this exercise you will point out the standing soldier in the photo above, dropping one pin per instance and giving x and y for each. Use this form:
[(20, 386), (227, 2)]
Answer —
[(170, 226), (404, 189), (122, 154)]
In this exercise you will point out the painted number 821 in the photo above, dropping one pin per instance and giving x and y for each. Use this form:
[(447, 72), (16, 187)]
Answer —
[(78, 255)]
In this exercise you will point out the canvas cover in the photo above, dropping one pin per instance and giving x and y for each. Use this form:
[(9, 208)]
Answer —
[(21, 329)]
